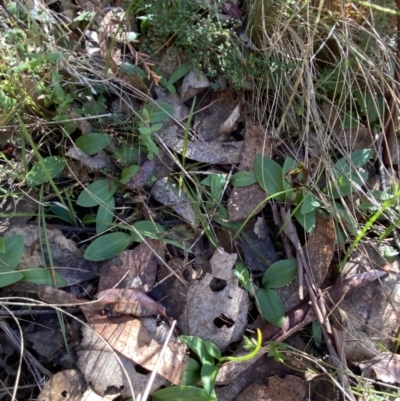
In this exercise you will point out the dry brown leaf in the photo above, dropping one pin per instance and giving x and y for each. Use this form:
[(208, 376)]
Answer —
[(217, 118), (133, 340), (192, 84), (135, 268), (319, 248), (65, 385), (216, 306), (244, 200), (290, 388), (384, 367), (127, 301)]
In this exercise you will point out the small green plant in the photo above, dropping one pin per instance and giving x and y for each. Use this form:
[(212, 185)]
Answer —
[(11, 251), (211, 360)]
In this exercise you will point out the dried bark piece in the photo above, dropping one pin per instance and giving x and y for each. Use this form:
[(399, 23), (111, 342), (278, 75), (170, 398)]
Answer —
[(319, 248)]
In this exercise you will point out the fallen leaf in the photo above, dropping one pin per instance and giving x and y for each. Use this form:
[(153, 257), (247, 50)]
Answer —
[(245, 200), (135, 268), (133, 340), (216, 306), (193, 83), (166, 192), (142, 176), (384, 367), (65, 385), (130, 302), (101, 160), (319, 248)]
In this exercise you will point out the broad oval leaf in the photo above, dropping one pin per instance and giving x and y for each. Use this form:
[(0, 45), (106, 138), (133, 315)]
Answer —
[(280, 273), (309, 204), (146, 228), (93, 143), (127, 173), (271, 306), (306, 220), (42, 276), (243, 179), (105, 215), (208, 375), (14, 248), (8, 277), (182, 393), (97, 192), (197, 345), (179, 73), (52, 164), (107, 246), (269, 175), (213, 349), (192, 373), (126, 154)]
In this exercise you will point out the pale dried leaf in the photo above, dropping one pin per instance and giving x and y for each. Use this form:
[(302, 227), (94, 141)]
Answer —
[(166, 192), (261, 228), (319, 248), (81, 123), (65, 385), (97, 162), (133, 340), (215, 299), (384, 367)]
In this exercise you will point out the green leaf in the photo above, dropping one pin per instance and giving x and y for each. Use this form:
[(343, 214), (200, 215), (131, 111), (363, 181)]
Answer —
[(306, 220), (350, 121), (269, 175), (289, 165), (217, 185), (182, 393), (54, 166), (213, 349), (2, 245), (243, 275), (42, 276), (97, 192), (93, 143), (127, 173), (198, 346), (147, 229), (62, 214), (14, 250), (159, 112), (8, 277), (309, 204), (131, 69), (271, 306), (243, 179), (280, 273), (105, 215), (179, 73), (208, 375), (192, 373), (107, 246), (126, 154), (317, 333)]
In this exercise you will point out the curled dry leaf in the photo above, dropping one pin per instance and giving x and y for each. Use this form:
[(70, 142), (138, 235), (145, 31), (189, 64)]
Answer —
[(167, 192), (384, 367)]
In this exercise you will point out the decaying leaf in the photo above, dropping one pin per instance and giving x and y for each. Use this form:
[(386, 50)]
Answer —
[(142, 176), (132, 269), (65, 385), (193, 83), (127, 301), (97, 162), (319, 248), (133, 340), (216, 306), (167, 193), (245, 200), (217, 118), (384, 367), (101, 366)]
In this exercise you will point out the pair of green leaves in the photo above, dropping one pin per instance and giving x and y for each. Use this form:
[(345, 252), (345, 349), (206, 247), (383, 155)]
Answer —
[(11, 250)]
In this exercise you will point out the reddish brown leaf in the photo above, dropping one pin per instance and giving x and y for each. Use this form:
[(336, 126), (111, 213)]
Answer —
[(131, 302)]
